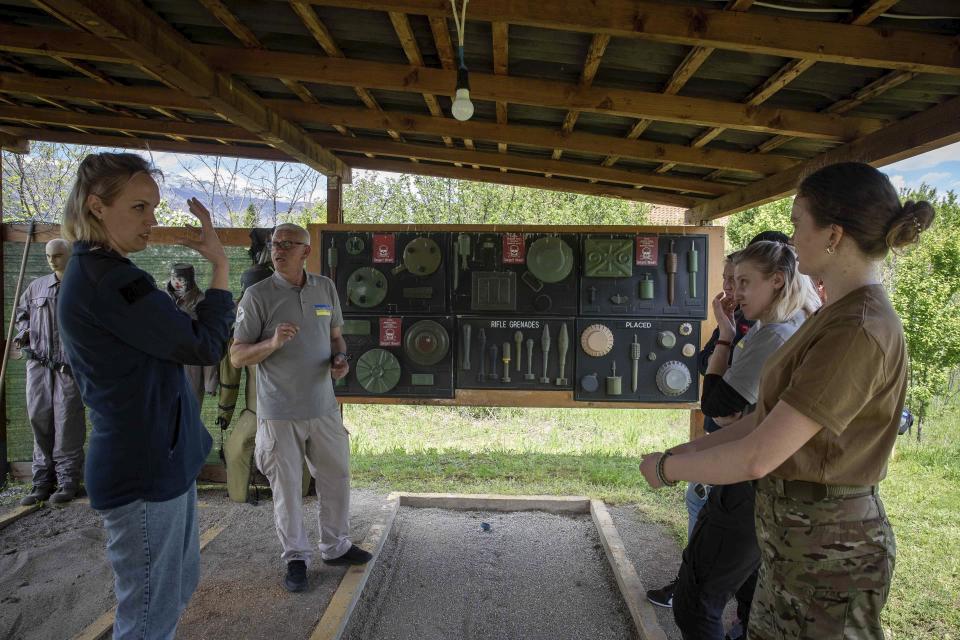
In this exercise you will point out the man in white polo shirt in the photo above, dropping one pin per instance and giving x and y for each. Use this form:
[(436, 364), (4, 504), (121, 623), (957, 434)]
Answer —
[(289, 325)]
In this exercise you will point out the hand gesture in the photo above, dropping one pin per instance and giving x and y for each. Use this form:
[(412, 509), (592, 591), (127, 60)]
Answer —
[(648, 467), (206, 242), (284, 333), (339, 366), (723, 307)]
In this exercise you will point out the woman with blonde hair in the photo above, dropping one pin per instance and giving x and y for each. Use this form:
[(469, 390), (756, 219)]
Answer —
[(826, 419), (127, 343), (722, 554)]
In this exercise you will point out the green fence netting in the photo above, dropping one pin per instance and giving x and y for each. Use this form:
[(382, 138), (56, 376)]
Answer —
[(156, 260)]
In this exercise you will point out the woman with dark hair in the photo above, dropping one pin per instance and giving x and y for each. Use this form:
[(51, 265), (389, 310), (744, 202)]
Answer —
[(826, 419), (127, 344)]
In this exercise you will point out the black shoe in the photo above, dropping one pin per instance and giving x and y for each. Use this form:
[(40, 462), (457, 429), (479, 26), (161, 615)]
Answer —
[(296, 578), (354, 555), (662, 597), (37, 494), (64, 494)]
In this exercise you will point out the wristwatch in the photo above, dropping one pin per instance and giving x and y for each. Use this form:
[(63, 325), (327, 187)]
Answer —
[(339, 353)]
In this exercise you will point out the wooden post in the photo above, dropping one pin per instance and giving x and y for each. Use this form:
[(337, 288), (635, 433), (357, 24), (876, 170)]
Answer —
[(4, 462), (334, 201), (716, 259)]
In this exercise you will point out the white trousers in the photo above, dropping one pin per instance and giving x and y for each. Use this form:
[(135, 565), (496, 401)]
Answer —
[(281, 447)]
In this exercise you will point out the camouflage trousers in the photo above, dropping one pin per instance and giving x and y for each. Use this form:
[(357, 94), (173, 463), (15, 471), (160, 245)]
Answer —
[(825, 568)]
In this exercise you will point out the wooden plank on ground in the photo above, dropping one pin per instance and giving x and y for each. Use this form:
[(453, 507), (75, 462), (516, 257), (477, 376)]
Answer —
[(9, 518), (101, 627), (337, 614), (634, 593), (491, 502)]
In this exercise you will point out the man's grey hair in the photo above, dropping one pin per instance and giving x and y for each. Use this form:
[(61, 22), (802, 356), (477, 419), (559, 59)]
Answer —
[(289, 226)]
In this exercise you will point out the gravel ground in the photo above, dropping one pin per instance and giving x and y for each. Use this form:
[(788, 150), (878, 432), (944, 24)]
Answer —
[(240, 595), (532, 575)]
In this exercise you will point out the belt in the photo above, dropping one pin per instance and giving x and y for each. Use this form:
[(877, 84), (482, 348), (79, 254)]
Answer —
[(812, 491), (53, 365)]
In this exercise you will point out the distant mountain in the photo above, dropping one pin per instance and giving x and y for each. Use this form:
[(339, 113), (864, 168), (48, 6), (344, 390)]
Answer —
[(176, 194)]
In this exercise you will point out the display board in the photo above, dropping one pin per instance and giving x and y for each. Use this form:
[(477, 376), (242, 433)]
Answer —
[(598, 316)]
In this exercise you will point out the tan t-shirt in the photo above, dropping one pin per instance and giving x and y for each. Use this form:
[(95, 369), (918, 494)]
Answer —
[(845, 368)]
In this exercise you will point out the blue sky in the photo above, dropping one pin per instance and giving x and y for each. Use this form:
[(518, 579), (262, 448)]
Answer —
[(939, 168)]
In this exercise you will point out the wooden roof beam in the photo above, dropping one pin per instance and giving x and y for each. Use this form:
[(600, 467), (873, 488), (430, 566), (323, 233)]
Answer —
[(524, 180), (925, 131), (544, 93), (101, 140), (128, 124), (787, 37), (249, 39), (144, 37), (872, 11), (401, 25), (523, 163), (322, 35), (13, 144), (794, 68), (598, 46), (353, 117)]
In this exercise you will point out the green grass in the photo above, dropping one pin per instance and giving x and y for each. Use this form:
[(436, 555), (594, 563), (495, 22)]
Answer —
[(596, 453)]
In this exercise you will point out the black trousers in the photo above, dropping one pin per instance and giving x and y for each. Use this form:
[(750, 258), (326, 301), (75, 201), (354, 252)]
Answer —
[(720, 562)]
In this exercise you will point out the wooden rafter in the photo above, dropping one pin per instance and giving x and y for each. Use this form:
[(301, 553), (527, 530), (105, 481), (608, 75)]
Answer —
[(872, 11), (128, 124), (785, 75), (523, 163), (322, 35), (250, 40), (524, 180), (682, 74), (358, 118), (787, 37), (545, 93), (160, 144), (925, 131), (401, 24), (143, 36), (598, 45), (501, 57), (792, 70)]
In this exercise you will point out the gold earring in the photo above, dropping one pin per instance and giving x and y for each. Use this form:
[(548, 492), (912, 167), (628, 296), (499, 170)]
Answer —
[(830, 250)]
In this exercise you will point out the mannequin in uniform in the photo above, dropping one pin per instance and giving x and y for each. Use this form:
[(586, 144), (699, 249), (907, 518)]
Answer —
[(182, 288), (54, 406)]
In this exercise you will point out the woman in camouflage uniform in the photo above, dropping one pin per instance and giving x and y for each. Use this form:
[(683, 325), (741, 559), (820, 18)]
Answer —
[(826, 420)]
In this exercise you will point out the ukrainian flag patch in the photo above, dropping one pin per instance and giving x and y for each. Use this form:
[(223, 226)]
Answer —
[(323, 309)]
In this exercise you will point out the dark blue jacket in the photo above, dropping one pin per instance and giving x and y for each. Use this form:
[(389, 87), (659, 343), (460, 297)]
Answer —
[(126, 342)]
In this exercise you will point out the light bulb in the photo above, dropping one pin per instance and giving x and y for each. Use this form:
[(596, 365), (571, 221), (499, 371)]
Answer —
[(462, 107)]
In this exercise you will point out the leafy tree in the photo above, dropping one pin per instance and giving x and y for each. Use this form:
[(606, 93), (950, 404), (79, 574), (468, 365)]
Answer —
[(925, 285), (167, 217), (35, 185), (250, 216), (773, 216), (375, 198)]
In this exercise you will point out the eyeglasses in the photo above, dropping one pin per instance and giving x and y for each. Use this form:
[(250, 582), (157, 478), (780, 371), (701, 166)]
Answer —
[(284, 244)]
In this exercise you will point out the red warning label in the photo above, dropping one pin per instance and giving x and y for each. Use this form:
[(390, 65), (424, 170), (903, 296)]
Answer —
[(646, 251), (384, 248), (391, 332), (514, 251)]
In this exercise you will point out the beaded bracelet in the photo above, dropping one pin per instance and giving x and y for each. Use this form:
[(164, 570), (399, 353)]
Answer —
[(662, 478)]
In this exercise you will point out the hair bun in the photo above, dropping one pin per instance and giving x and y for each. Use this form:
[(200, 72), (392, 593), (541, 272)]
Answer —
[(915, 217)]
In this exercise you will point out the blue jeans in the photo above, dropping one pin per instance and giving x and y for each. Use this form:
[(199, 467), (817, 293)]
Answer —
[(694, 504), (154, 550)]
